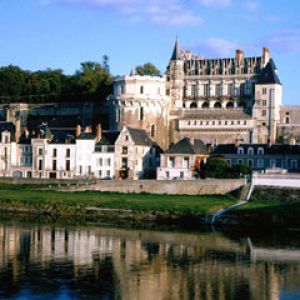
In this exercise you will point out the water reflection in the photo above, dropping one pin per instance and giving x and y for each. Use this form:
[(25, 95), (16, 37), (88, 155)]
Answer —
[(40, 261)]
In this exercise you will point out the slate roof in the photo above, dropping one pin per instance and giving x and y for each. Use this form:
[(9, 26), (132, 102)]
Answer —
[(109, 137), (140, 137), (217, 114), (86, 136), (185, 146), (60, 136), (268, 74), (268, 150), (7, 126), (176, 51)]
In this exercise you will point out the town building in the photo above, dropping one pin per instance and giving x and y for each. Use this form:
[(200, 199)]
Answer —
[(182, 160), (136, 155), (261, 156)]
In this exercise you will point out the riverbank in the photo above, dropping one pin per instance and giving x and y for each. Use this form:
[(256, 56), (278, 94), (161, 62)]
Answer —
[(176, 209), (29, 199)]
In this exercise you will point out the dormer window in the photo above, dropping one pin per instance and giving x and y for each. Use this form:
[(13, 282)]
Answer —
[(260, 151), (250, 151), (240, 151)]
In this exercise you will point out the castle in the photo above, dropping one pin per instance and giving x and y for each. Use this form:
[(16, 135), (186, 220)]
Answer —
[(219, 101)]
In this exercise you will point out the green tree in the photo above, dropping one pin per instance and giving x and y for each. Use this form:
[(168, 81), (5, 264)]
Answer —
[(216, 167), (147, 69), (12, 81)]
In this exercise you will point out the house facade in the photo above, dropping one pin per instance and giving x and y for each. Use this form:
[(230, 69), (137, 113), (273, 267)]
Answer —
[(136, 155), (182, 160)]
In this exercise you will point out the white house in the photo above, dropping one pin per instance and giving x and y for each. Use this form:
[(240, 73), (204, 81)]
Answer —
[(182, 160)]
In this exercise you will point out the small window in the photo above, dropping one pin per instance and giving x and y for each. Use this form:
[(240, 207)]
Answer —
[(264, 91), (181, 175), (54, 165), (100, 162), (287, 120), (152, 131), (124, 150), (54, 152), (263, 113), (264, 102), (141, 89), (172, 162), (142, 113), (40, 151), (240, 161), (167, 174), (108, 173), (67, 165), (108, 162), (68, 152)]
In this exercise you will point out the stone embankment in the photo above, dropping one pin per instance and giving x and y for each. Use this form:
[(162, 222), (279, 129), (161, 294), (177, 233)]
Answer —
[(169, 187)]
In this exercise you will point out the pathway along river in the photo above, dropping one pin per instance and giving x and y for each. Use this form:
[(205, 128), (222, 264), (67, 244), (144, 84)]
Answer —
[(40, 260)]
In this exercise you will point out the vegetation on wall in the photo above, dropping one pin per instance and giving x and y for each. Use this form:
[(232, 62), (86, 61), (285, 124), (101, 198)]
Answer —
[(147, 69)]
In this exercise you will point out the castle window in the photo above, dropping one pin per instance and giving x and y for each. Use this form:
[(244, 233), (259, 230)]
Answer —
[(142, 116), (206, 90), (230, 89), (193, 90), (205, 105), (225, 122), (141, 89), (264, 102), (217, 105), (218, 90), (193, 105), (260, 163), (240, 161), (152, 130), (171, 162), (264, 91), (229, 105), (263, 113), (232, 122), (250, 162), (167, 92), (287, 120)]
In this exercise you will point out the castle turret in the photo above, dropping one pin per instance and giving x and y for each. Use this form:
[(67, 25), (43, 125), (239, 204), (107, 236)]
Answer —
[(175, 77)]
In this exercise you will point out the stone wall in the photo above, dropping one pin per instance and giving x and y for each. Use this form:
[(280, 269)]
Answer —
[(275, 193), (170, 187)]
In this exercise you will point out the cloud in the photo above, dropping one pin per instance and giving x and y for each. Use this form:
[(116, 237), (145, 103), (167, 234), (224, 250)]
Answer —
[(252, 5), (217, 47), (215, 2), (284, 41), (161, 12)]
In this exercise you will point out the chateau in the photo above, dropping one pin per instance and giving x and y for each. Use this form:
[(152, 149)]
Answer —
[(219, 101)]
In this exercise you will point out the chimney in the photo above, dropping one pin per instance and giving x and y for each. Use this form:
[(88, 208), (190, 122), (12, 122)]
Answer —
[(78, 130), (265, 56), (292, 141), (98, 133), (17, 130), (239, 55)]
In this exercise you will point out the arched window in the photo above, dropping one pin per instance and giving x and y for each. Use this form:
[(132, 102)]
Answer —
[(152, 130), (141, 89), (260, 151), (229, 105), (240, 151), (193, 105), (287, 120), (205, 105), (250, 151), (217, 105)]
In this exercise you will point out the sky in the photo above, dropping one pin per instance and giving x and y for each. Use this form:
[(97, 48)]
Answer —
[(41, 34)]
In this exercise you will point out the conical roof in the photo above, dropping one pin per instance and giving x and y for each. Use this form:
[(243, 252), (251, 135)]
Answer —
[(176, 51)]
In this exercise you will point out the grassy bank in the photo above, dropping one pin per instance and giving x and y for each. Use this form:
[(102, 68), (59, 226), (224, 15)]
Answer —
[(25, 197), (268, 213)]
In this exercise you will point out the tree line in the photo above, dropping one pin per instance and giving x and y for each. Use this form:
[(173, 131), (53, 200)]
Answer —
[(91, 82)]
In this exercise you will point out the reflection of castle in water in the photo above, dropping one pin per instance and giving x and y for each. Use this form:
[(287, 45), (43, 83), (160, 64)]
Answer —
[(146, 264)]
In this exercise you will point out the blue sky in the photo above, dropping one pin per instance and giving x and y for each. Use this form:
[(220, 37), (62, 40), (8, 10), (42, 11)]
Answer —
[(37, 34)]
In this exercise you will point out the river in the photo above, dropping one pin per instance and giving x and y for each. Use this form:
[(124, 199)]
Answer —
[(47, 260)]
